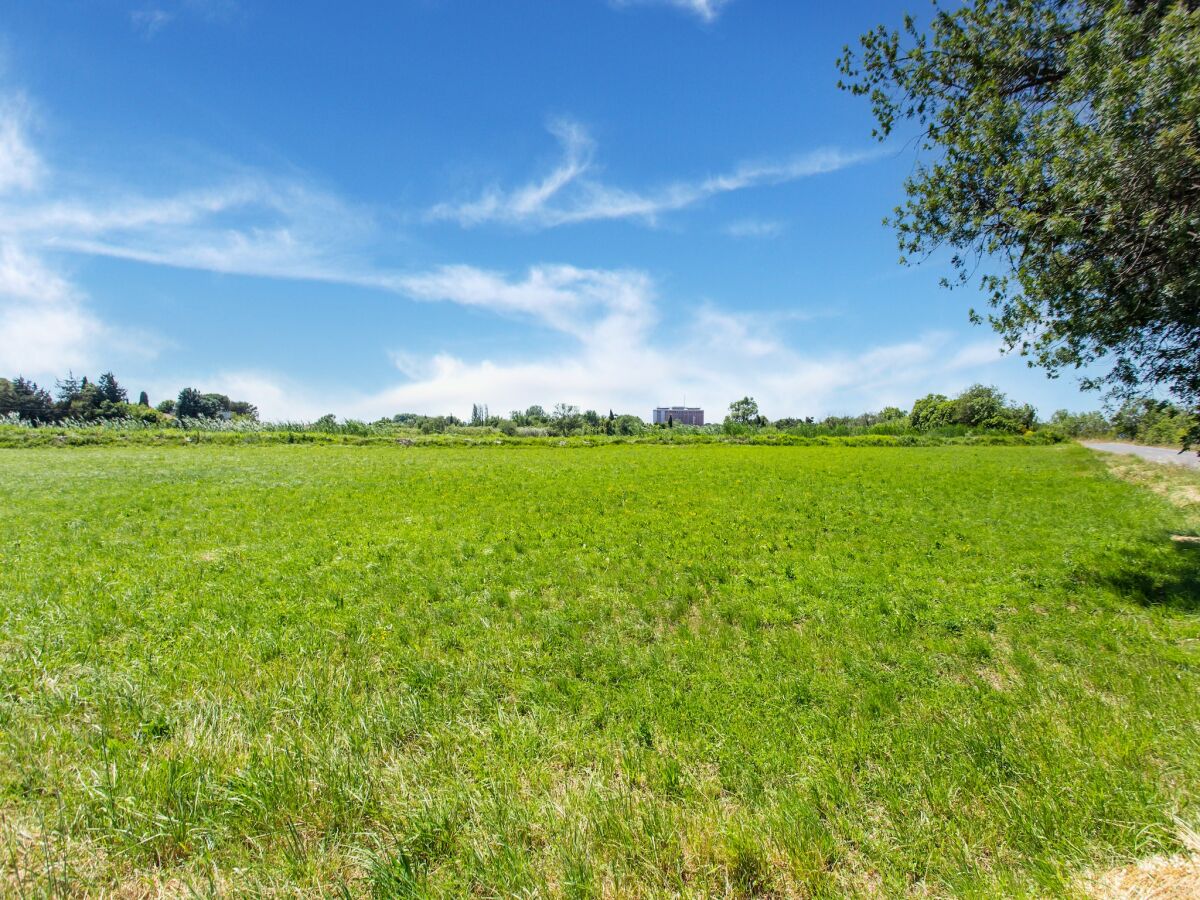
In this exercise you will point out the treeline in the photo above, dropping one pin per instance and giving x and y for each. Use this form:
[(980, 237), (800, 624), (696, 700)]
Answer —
[(105, 399), (563, 420), (1144, 420), (191, 404), (980, 408)]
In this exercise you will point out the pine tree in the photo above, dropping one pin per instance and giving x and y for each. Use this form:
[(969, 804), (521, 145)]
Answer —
[(110, 390), (68, 387)]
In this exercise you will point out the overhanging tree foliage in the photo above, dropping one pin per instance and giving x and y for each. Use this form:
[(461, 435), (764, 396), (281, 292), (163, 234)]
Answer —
[(1064, 166)]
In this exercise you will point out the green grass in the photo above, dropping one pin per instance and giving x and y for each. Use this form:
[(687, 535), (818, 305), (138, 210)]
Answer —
[(120, 433), (623, 671)]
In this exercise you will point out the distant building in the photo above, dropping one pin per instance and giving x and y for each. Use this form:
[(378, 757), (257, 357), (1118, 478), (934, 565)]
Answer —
[(679, 415)]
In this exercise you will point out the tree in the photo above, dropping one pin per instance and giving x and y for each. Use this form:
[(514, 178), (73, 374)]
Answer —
[(143, 399), (1085, 424), (1065, 140), (932, 411), (87, 403), (67, 388), (191, 404), (26, 399), (194, 405), (743, 412), (110, 390), (1152, 421), (243, 409), (215, 404), (566, 419), (627, 424), (979, 406)]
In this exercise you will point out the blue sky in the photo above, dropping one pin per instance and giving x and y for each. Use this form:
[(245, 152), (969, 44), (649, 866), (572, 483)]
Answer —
[(418, 205)]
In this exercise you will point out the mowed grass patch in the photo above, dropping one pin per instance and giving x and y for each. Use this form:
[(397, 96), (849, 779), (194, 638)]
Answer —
[(619, 671)]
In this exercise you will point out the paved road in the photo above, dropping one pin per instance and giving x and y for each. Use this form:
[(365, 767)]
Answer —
[(1154, 454)]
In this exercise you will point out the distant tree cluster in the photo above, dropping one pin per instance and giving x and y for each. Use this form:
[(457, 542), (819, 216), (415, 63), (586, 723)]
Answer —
[(1081, 425), (191, 404), (979, 406), (1144, 420), (73, 398), (566, 419), (1153, 422), (745, 413), (80, 399)]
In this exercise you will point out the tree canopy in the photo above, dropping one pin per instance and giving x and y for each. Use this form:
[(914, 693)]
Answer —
[(1060, 160), (743, 412)]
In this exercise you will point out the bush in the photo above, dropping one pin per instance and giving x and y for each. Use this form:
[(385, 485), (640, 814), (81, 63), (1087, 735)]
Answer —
[(1077, 425), (1153, 422)]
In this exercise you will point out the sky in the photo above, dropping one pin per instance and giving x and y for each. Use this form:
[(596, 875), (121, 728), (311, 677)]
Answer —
[(421, 205)]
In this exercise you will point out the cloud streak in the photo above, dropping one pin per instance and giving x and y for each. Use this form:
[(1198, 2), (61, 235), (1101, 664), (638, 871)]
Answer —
[(705, 10), (148, 21), (21, 168), (571, 193), (754, 228)]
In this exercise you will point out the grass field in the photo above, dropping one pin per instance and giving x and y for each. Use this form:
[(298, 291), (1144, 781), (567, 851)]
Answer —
[(617, 671)]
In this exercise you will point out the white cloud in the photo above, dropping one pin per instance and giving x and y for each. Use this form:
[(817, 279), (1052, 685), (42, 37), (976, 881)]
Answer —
[(570, 193), (638, 376), (620, 351), (976, 354), (591, 305), (20, 166), (42, 341), (46, 324), (149, 22), (45, 327), (706, 10), (25, 277), (248, 225), (754, 228)]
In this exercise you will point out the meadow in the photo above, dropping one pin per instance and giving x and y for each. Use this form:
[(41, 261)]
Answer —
[(705, 670)]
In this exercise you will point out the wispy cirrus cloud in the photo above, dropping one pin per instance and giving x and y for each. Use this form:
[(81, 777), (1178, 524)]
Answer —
[(149, 20), (610, 351), (571, 192), (249, 224), (591, 305), (705, 10), (21, 167), (754, 228), (43, 319)]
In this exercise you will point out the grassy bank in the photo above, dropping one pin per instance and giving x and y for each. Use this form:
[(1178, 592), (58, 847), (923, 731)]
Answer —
[(702, 670), (100, 436)]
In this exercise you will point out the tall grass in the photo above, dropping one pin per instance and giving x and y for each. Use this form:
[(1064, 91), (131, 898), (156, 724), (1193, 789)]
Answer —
[(701, 670)]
